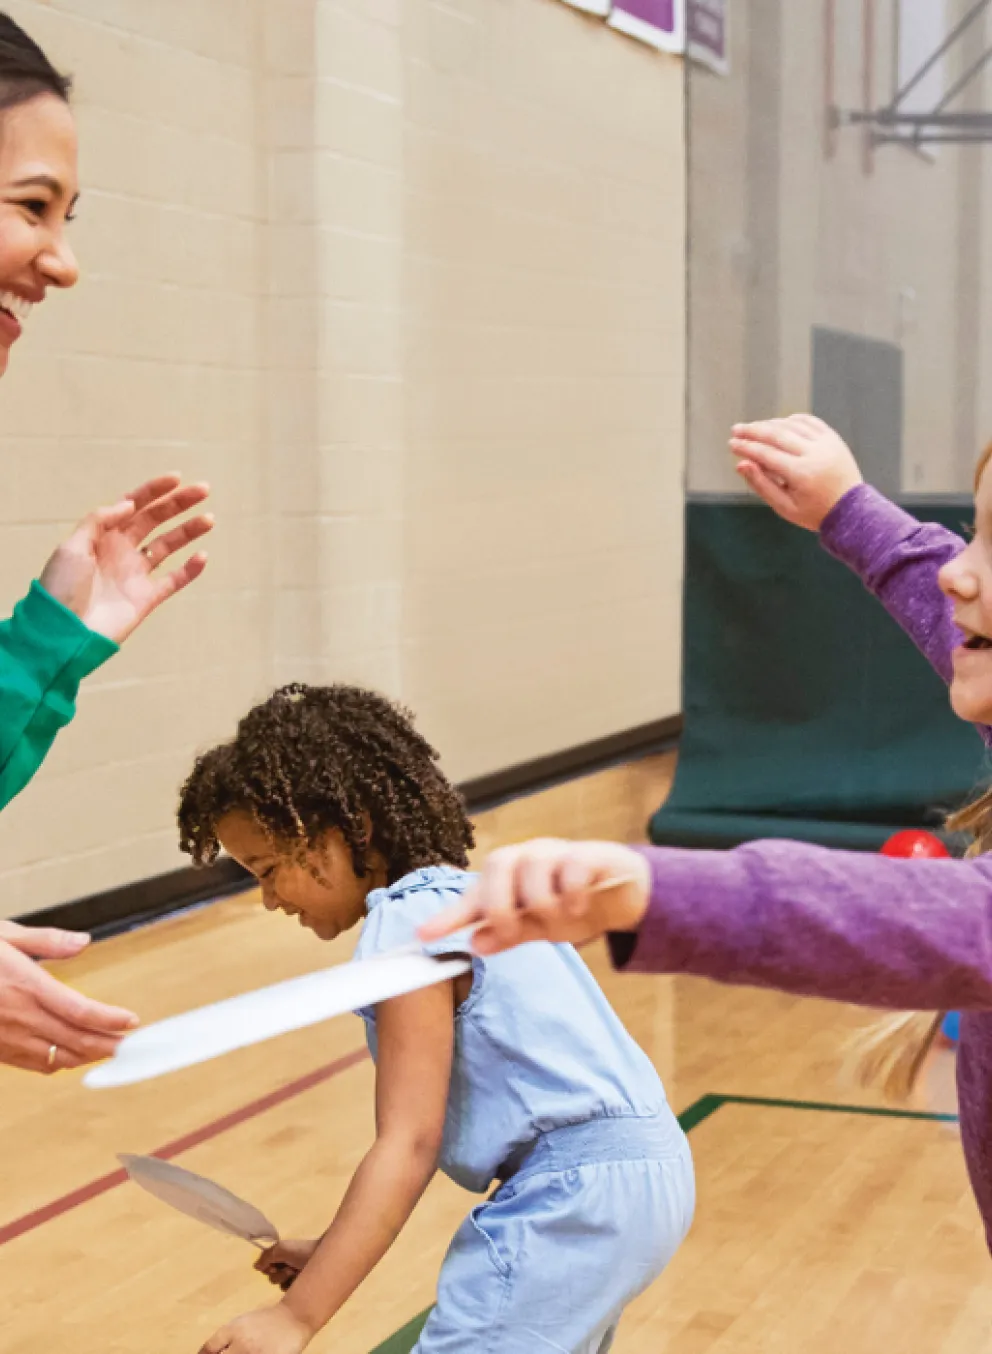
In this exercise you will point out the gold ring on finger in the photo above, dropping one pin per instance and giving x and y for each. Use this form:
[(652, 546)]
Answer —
[(53, 1053)]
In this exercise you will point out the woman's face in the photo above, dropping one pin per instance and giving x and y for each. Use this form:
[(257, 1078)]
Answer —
[(38, 188)]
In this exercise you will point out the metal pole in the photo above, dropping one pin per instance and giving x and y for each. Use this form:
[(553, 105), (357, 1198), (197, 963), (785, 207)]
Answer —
[(830, 123), (885, 118), (935, 139), (868, 77), (928, 65), (965, 80)]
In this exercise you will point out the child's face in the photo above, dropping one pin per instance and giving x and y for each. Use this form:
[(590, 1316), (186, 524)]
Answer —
[(967, 581), (328, 905)]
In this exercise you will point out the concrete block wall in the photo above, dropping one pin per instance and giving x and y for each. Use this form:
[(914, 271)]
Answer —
[(405, 282)]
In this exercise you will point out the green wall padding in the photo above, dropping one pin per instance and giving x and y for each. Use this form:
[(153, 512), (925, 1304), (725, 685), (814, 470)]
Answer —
[(808, 713)]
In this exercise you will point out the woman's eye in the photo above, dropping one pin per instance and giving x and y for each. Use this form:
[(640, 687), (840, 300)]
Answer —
[(35, 206)]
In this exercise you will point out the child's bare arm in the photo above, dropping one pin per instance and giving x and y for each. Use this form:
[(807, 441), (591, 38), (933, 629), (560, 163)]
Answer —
[(416, 1039)]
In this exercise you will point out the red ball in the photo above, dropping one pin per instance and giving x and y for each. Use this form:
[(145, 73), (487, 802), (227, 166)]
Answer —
[(914, 844)]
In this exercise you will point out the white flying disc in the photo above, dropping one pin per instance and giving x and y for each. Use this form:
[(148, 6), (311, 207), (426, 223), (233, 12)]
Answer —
[(200, 1198), (209, 1031)]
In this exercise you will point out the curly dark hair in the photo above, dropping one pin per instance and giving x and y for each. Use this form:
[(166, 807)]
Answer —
[(315, 758)]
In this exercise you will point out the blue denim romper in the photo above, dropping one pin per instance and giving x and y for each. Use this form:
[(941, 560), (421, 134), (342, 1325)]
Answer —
[(552, 1098)]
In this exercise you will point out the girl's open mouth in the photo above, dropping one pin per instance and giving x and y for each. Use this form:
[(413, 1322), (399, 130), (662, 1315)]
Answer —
[(15, 306)]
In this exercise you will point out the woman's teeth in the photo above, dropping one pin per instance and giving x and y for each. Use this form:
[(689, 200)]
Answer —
[(15, 305)]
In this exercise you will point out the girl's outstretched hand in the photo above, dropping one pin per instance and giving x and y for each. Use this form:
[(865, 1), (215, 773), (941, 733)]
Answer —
[(549, 890), (798, 465)]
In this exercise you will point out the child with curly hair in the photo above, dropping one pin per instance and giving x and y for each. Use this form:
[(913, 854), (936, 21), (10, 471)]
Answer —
[(519, 1072)]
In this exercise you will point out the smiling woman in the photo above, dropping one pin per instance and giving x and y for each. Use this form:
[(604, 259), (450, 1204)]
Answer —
[(38, 186), (97, 587)]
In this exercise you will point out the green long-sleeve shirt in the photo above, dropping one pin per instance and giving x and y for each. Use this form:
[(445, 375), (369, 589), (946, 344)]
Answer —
[(45, 652)]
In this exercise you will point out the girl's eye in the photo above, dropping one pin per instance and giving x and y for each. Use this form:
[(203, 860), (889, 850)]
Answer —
[(35, 206)]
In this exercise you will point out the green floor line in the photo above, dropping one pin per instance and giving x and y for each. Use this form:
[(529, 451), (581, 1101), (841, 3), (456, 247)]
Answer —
[(827, 1107), (691, 1117), (404, 1340), (699, 1110)]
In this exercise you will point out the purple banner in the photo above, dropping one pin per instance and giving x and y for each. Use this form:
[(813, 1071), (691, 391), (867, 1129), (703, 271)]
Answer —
[(661, 23), (707, 38)]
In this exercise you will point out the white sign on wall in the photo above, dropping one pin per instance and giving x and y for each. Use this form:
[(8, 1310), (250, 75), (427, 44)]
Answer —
[(707, 37), (601, 7)]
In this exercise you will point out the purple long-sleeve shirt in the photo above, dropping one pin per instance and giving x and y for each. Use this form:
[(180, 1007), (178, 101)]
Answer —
[(901, 934)]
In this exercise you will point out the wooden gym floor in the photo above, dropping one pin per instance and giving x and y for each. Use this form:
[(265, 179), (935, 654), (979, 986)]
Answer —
[(820, 1227)]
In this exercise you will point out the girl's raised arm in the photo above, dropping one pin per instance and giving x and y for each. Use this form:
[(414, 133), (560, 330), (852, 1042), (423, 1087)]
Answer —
[(807, 474)]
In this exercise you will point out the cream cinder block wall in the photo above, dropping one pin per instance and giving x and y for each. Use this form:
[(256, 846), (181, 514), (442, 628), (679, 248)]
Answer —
[(785, 236), (489, 203), (151, 364), (513, 565), (405, 281), (545, 356)]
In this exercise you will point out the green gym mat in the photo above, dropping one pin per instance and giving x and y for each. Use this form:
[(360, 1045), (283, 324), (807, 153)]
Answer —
[(808, 713)]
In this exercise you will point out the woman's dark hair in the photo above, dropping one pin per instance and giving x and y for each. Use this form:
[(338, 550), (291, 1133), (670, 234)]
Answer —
[(25, 70), (314, 758)]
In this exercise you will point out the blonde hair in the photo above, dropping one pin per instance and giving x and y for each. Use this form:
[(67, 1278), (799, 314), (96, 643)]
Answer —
[(890, 1055)]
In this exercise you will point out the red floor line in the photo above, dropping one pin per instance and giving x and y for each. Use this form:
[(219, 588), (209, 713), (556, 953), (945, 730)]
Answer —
[(95, 1188), (59, 1206)]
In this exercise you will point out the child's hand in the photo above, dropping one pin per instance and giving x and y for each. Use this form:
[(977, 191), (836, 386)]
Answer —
[(798, 465), (282, 1262), (541, 891), (271, 1330)]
